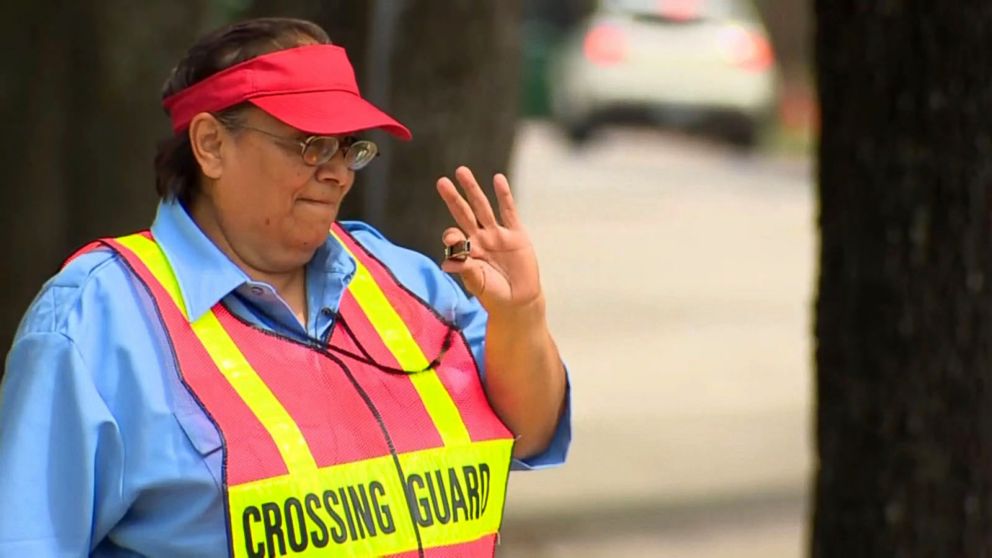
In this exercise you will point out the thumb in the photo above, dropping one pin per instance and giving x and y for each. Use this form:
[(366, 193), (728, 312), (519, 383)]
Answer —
[(474, 277), (472, 272)]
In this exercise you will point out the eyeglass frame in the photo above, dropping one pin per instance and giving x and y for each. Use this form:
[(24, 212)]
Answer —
[(344, 144)]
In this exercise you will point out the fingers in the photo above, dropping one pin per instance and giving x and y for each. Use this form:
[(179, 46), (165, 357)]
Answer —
[(476, 197), (472, 271), (451, 236), (456, 244), (473, 211), (457, 206), (507, 207)]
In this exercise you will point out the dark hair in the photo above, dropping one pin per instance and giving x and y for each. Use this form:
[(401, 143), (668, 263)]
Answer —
[(177, 174)]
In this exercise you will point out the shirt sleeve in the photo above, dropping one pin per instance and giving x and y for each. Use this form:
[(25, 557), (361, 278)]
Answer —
[(60, 451)]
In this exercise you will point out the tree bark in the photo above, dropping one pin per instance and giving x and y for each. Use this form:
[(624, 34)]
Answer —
[(904, 312), (455, 83), (81, 112)]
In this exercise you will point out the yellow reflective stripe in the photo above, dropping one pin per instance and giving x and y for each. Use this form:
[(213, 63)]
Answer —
[(154, 259), (360, 508), (256, 394), (397, 338), (484, 489), (232, 364)]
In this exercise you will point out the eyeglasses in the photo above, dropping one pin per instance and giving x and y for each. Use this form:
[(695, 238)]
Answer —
[(317, 150)]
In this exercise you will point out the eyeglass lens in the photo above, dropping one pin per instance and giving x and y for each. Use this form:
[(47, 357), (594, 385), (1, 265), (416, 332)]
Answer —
[(320, 150), (358, 154)]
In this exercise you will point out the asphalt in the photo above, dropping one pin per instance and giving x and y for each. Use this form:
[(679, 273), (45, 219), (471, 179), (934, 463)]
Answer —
[(679, 277)]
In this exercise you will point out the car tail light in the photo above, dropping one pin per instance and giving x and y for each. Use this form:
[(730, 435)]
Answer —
[(746, 48), (679, 10), (605, 45)]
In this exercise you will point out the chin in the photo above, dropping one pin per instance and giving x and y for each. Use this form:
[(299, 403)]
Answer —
[(307, 245)]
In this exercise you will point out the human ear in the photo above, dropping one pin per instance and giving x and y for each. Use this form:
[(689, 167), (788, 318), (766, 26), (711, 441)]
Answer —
[(206, 136)]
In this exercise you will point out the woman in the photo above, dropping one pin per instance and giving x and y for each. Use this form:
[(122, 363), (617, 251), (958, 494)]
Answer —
[(238, 381)]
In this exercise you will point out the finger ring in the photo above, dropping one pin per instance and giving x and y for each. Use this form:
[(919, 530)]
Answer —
[(458, 251)]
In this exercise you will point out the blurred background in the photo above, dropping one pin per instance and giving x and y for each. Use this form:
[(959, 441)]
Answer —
[(660, 152)]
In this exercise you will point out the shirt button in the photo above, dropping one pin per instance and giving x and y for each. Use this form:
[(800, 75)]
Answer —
[(326, 311), (257, 291)]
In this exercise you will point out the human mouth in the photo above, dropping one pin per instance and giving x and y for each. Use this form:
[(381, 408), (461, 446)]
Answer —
[(313, 201)]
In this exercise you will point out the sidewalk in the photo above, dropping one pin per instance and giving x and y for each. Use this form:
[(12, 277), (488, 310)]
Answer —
[(766, 527), (679, 279)]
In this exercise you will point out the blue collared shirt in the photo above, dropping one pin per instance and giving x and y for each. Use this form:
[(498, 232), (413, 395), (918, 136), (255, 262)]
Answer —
[(102, 450)]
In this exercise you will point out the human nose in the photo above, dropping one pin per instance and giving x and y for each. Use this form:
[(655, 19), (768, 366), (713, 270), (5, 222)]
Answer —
[(335, 170)]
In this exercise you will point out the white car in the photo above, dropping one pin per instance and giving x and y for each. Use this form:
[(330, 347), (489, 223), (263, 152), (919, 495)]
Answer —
[(701, 64)]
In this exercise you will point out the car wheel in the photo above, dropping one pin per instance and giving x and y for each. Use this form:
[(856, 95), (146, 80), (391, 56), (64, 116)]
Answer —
[(579, 132), (743, 135)]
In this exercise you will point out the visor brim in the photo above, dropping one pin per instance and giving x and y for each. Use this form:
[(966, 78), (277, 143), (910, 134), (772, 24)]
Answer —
[(329, 113)]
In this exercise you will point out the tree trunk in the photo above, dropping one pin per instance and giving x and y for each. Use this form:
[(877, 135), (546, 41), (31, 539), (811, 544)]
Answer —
[(452, 76), (904, 312), (455, 83), (79, 100), (788, 23)]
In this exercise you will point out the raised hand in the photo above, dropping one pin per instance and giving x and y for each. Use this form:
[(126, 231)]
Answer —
[(501, 269)]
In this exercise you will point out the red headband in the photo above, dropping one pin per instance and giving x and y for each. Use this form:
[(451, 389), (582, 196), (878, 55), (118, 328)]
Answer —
[(311, 88)]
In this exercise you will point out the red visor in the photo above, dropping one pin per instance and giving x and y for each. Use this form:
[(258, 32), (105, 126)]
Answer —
[(311, 88)]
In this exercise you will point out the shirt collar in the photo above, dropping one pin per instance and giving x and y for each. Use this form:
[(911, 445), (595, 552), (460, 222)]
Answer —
[(206, 275)]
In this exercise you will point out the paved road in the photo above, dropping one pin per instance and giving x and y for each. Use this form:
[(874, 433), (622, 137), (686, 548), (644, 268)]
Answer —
[(679, 276)]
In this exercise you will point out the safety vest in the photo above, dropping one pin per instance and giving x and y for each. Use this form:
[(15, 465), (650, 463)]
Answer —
[(381, 443)]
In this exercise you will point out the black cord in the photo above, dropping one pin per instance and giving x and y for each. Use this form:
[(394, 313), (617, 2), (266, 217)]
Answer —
[(366, 358)]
